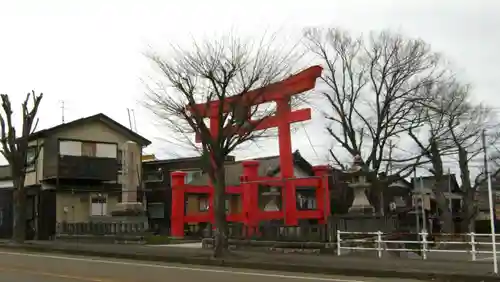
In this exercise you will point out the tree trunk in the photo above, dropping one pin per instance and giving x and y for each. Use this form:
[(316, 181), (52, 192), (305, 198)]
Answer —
[(19, 212), (466, 222), (468, 212), (439, 185), (221, 233), (445, 216), (469, 207)]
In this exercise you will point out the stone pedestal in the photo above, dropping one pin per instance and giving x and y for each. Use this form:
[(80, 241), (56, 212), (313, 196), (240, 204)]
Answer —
[(360, 204), (272, 198)]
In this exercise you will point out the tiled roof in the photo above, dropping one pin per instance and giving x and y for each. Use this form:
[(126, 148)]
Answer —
[(428, 182), (267, 166), (101, 117)]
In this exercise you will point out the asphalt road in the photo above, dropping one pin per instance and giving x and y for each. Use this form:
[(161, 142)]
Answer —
[(24, 267)]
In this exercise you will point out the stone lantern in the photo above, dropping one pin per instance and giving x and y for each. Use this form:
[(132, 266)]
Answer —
[(272, 196), (357, 181)]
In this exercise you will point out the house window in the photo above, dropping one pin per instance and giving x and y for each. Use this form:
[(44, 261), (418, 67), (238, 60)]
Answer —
[(306, 202), (156, 210), (89, 149), (311, 203), (70, 148), (227, 205), (119, 160), (105, 150), (98, 205), (191, 175), (31, 159), (153, 176), (204, 205)]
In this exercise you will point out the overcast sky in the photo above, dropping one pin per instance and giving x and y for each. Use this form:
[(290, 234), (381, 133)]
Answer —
[(89, 53)]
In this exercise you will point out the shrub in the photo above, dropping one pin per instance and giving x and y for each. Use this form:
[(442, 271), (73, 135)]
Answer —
[(127, 213), (157, 240)]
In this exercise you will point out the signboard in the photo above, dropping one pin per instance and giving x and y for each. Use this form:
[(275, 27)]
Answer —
[(148, 158), (417, 201)]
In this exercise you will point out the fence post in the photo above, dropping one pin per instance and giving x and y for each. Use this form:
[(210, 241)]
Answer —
[(338, 243), (473, 245), (424, 245), (379, 243)]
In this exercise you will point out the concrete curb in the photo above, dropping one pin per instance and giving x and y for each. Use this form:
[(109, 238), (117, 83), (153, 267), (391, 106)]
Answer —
[(274, 266)]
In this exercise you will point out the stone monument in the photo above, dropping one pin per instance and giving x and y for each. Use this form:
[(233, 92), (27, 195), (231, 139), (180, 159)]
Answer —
[(130, 209)]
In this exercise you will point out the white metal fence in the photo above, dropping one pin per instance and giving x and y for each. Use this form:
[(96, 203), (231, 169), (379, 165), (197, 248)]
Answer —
[(470, 243)]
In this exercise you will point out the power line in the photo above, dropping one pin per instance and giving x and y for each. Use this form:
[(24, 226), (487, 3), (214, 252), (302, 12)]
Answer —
[(309, 139)]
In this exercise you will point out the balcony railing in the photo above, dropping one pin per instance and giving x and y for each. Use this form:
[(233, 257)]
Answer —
[(91, 168), (101, 228)]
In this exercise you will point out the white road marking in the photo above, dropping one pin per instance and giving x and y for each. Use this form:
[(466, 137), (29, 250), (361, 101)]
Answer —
[(487, 258), (183, 245), (185, 268)]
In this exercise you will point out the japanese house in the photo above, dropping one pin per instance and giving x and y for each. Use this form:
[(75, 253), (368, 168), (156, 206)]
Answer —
[(482, 221), (76, 174), (157, 182), (424, 196)]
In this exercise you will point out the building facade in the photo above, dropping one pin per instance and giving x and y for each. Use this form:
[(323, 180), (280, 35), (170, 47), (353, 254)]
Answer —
[(6, 193), (76, 173), (157, 182)]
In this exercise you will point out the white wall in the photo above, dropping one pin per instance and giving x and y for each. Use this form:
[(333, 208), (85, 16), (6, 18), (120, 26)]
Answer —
[(6, 184), (299, 173)]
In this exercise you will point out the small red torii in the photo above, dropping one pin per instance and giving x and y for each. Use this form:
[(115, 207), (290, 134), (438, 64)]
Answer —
[(281, 93)]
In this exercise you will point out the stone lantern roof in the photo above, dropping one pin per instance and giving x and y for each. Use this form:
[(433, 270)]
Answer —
[(357, 165), (358, 168)]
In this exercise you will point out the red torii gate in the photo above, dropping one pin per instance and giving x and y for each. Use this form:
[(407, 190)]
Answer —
[(281, 93)]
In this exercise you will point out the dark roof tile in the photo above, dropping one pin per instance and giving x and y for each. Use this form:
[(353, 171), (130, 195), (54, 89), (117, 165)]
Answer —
[(267, 166), (98, 117)]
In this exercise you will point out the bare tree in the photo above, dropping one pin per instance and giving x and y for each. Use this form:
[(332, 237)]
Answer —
[(219, 71), (453, 125), (371, 87), (15, 150)]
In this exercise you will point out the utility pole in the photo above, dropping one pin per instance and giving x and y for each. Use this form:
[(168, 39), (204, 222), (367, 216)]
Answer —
[(129, 119), (416, 199), (62, 110), (450, 198), (424, 216), (133, 119), (485, 155), (492, 208), (487, 169)]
